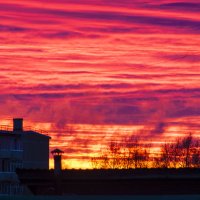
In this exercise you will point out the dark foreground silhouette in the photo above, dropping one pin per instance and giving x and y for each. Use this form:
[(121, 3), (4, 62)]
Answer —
[(112, 182)]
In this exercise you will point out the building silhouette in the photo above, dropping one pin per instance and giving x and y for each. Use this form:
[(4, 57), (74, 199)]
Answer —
[(24, 159), (163, 181), (20, 149)]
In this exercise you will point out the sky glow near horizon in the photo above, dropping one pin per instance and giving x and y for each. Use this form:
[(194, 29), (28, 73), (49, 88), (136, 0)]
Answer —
[(94, 71)]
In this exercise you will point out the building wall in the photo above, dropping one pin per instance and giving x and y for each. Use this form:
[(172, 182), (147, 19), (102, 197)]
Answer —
[(10, 152), (20, 149), (25, 150), (35, 151)]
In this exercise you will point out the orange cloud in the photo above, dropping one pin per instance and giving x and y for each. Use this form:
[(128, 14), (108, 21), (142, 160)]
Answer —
[(89, 68)]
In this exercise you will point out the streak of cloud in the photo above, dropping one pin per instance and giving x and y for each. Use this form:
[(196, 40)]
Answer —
[(107, 69)]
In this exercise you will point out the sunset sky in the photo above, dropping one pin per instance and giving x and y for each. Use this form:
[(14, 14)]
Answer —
[(94, 71)]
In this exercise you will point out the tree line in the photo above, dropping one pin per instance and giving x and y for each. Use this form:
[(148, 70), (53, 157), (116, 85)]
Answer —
[(132, 153)]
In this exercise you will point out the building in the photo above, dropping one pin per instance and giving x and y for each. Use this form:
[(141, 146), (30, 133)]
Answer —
[(20, 149), (114, 182)]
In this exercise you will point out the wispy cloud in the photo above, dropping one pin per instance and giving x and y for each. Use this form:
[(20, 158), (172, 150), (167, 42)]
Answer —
[(103, 64)]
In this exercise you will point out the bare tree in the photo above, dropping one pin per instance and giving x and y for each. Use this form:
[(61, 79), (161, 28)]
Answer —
[(185, 147), (165, 155), (175, 154), (184, 152), (132, 153), (188, 152), (127, 154), (114, 155)]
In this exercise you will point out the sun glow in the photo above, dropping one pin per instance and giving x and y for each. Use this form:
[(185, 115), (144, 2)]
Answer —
[(81, 142)]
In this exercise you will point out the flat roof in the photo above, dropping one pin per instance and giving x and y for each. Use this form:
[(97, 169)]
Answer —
[(13, 133)]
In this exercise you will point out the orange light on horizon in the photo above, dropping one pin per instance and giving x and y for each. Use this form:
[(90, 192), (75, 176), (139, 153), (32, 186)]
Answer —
[(84, 141)]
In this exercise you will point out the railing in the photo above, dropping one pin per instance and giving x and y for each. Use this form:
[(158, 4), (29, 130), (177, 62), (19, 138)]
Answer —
[(8, 176), (25, 128), (11, 153), (11, 189), (6, 128)]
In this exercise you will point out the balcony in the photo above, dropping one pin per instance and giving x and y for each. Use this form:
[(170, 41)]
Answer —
[(8, 176), (11, 153)]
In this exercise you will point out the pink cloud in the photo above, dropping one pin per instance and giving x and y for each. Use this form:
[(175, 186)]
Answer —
[(102, 64)]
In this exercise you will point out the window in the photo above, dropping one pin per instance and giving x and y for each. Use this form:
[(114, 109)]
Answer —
[(15, 144), (15, 164), (5, 165)]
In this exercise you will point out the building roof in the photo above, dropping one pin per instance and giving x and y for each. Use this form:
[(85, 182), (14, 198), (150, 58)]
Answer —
[(19, 129), (13, 133), (36, 133)]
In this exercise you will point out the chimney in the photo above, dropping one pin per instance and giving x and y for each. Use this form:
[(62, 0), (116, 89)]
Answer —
[(18, 124), (57, 155)]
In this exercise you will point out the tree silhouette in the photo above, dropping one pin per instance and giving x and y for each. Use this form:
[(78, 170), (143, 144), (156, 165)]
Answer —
[(132, 153), (123, 155), (183, 153)]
